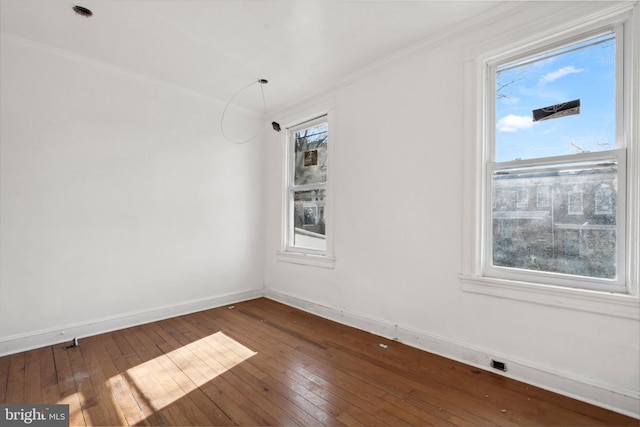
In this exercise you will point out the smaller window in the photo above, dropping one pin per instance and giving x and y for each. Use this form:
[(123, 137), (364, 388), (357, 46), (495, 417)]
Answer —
[(505, 229), (575, 203), (571, 243), (542, 196), (604, 200), (308, 163), (522, 199)]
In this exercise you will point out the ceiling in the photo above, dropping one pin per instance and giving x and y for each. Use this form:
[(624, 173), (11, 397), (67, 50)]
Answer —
[(216, 47)]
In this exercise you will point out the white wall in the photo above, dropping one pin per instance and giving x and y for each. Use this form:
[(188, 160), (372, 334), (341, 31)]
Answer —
[(120, 200), (398, 138)]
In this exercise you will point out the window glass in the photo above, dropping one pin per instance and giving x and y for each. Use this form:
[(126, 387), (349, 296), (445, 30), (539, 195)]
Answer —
[(309, 224), (576, 84), (568, 233), (310, 147)]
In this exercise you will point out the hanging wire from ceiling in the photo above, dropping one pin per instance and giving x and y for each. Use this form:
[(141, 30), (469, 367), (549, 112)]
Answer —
[(275, 125)]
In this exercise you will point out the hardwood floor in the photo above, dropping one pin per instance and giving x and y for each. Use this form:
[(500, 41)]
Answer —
[(264, 363)]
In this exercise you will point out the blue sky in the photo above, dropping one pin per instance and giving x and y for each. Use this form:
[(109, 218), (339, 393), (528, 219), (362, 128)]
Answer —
[(587, 74)]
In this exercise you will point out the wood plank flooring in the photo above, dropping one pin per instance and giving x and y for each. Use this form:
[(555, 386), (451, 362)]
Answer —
[(264, 363)]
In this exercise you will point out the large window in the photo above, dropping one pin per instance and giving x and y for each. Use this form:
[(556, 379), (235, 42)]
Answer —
[(551, 186), (555, 127), (306, 225)]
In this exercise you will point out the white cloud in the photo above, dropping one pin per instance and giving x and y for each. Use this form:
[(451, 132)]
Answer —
[(555, 75), (513, 123)]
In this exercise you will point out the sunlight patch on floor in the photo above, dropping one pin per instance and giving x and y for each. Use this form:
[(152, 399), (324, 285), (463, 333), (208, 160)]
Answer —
[(75, 402), (167, 378)]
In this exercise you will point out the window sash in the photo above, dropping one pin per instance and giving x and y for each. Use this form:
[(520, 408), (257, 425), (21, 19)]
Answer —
[(580, 161), (291, 235)]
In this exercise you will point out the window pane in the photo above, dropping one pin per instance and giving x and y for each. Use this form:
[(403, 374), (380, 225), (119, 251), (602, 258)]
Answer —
[(310, 148), (309, 224), (570, 230), (544, 86)]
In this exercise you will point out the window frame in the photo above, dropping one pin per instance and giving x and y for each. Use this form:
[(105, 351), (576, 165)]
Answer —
[(288, 251), (575, 197), (479, 143)]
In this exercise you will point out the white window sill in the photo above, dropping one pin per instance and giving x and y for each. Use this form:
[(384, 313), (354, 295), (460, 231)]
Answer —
[(615, 305), (306, 259)]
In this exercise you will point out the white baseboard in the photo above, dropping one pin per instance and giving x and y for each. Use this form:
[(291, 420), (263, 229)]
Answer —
[(604, 395), (56, 335)]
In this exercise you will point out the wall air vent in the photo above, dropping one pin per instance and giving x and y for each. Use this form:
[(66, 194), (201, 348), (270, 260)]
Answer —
[(501, 366)]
